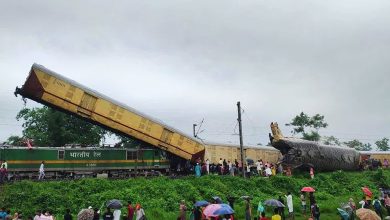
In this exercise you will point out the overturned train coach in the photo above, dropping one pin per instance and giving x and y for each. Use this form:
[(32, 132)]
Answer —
[(301, 153)]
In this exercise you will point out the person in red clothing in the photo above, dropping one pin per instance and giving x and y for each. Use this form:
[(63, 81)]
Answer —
[(130, 211), (263, 216)]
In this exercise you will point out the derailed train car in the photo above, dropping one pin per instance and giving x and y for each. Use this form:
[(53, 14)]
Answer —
[(54, 90), (300, 153)]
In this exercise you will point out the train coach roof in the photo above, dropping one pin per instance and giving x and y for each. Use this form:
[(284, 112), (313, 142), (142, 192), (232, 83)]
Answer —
[(374, 152), (99, 95), (237, 146)]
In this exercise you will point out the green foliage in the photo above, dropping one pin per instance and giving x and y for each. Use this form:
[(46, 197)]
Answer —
[(48, 127), (331, 140), (382, 145), (302, 122), (161, 196), (358, 145), (15, 141)]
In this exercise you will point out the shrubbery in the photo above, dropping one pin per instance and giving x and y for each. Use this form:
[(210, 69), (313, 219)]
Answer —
[(161, 196)]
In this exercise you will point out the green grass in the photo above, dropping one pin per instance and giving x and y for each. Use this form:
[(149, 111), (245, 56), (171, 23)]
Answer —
[(160, 196)]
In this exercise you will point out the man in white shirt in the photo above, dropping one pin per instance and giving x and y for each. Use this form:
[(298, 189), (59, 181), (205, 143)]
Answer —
[(290, 205), (268, 171), (5, 165), (208, 166), (258, 167), (42, 171), (117, 214)]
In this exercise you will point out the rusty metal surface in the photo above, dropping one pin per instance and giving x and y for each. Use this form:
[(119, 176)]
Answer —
[(300, 153)]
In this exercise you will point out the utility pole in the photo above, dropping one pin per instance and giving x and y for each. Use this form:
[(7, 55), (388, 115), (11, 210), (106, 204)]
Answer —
[(241, 144), (193, 128)]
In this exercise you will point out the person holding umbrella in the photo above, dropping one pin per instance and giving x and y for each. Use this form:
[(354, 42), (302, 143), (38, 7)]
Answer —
[(248, 209), (368, 194), (108, 215)]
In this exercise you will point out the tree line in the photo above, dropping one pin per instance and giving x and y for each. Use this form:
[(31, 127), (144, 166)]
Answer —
[(49, 127)]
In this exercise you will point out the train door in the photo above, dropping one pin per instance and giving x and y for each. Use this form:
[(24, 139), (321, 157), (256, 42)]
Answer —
[(156, 158), (87, 105)]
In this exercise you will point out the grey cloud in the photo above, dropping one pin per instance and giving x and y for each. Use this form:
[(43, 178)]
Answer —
[(182, 61)]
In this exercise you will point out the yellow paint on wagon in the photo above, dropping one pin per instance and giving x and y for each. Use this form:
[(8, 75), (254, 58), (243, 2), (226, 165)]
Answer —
[(69, 97), (82, 161)]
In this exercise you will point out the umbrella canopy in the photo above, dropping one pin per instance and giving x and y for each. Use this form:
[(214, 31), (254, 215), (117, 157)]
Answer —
[(367, 191), (214, 210), (308, 189), (85, 214), (367, 214), (201, 203), (273, 202), (225, 209), (217, 199), (114, 204), (246, 197), (343, 213), (250, 161)]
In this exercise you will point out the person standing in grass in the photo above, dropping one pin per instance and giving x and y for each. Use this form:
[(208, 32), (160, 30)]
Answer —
[(41, 171), (67, 215), (140, 213), (130, 211), (108, 215), (378, 207), (260, 209), (290, 205), (281, 209), (311, 172), (248, 210), (197, 170), (117, 214), (303, 203), (182, 210), (276, 215)]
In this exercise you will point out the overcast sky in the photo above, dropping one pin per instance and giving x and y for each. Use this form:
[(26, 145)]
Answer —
[(181, 61)]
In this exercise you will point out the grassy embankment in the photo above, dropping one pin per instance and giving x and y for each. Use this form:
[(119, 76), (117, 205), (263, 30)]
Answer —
[(160, 196)]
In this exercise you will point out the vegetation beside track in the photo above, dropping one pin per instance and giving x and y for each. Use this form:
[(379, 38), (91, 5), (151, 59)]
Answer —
[(160, 196)]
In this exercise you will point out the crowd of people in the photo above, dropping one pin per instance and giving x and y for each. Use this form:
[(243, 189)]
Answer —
[(223, 167)]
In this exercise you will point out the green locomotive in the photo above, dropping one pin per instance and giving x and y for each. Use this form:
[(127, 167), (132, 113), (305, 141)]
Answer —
[(62, 162)]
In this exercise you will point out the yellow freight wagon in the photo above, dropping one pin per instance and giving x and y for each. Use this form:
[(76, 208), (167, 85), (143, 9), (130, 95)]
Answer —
[(54, 90), (378, 155), (231, 152)]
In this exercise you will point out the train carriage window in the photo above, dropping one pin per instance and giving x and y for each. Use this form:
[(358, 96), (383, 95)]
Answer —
[(131, 155), (61, 154)]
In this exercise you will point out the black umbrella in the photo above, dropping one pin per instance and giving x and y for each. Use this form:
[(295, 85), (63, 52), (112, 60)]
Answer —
[(273, 202), (250, 161), (114, 204), (217, 199)]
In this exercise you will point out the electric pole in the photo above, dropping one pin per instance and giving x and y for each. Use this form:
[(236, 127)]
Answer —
[(240, 130)]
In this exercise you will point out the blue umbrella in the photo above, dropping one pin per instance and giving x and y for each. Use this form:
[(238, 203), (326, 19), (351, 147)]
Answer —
[(201, 203), (225, 209), (273, 202), (343, 214)]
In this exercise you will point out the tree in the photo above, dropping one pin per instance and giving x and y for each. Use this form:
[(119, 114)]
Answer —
[(358, 145), (15, 141), (382, 145), (303, 122), (331, 140), (48, 127)]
